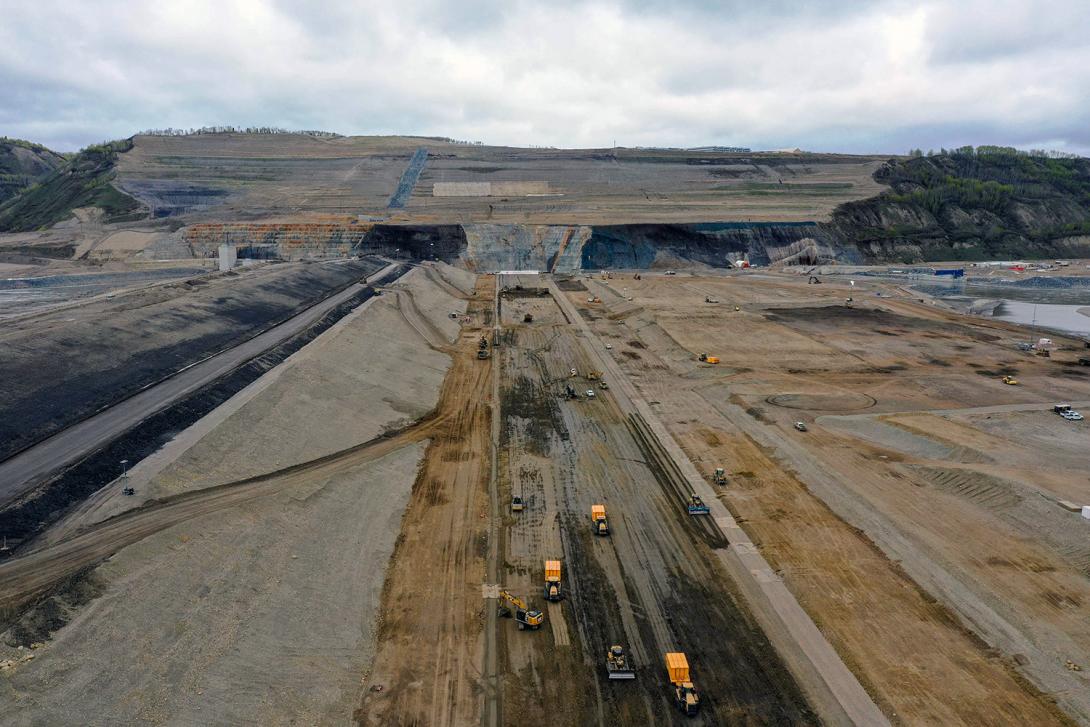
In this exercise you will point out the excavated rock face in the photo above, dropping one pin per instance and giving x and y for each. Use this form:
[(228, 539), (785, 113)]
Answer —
[(713, 244), (555, 248)]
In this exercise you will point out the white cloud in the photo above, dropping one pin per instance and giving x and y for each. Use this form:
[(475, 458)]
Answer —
[(843, 76)]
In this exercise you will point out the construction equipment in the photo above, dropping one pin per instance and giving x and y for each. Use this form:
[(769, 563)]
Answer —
[(1010, 381), (517, 505), (528, 318), (128, 491), (605, 387), (571, 392), (708, 299), (617, 666), (685, 695), (598, 519), (594, 375), (483, 343), (720, 476), (553, 591), (697, 506), (1083, 361), (574, 373), (525, 617), (482, 353)]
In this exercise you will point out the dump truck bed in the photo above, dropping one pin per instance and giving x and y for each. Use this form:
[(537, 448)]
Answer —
[(677, 667)]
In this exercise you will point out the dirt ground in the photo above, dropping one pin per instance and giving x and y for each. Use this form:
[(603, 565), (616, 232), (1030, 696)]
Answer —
[(654, 585), (262, 612), (58, 367), (254, 600), (213, 177), (919, 544), (428, 661)]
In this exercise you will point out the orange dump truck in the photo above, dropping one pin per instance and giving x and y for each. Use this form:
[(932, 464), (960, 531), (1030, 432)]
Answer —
[(598, 518), (552, 580), (685, 696)]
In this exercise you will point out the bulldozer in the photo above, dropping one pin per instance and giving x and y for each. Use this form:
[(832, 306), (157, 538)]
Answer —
[(594, 375), (1010, 381), (705, 358), (598, 519), (553, 590), (525, 617), (617, 666), (685, 695)]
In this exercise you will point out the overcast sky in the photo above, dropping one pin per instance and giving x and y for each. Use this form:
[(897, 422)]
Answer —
[(881, 76)]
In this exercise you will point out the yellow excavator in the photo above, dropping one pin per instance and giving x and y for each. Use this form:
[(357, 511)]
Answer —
[(525, 617)]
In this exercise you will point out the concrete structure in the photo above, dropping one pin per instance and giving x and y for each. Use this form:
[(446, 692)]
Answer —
[(489, 189), (228, 257)]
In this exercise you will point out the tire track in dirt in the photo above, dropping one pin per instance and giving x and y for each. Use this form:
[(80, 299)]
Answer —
[(428, 663), (34, 573)]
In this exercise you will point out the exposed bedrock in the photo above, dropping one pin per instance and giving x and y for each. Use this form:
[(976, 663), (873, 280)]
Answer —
[(713, 244)]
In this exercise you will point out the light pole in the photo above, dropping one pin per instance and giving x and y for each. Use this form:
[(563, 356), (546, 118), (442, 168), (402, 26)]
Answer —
[(124, 468)]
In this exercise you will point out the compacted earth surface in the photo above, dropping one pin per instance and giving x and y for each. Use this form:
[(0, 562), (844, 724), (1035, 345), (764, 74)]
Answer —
[(328, 544)]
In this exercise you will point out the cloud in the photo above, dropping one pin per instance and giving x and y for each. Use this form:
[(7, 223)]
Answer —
[(846, 76)]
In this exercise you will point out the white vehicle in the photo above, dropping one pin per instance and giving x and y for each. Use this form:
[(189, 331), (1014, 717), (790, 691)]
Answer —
[(590, 393), (609, 346), (671, 272), (1072, 416), (801, 426)]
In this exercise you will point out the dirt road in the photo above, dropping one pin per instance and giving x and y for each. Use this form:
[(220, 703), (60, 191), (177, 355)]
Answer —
[(32, 465), (22, 578), (428, 662)]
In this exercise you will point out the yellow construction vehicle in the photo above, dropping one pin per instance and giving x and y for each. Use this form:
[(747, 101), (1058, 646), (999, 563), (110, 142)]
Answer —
[(685, 695), (594, 375), (525, 617), (617, 666), (705, 358), (1010, 380), (598, 519), (553, 591)]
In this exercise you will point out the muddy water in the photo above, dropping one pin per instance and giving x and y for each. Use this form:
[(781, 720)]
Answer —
[(1059, 309)]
